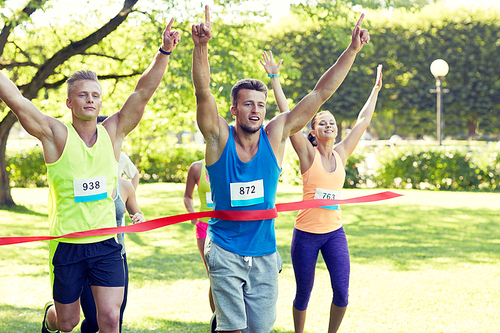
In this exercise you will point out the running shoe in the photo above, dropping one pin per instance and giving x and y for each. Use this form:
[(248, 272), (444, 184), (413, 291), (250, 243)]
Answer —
[(44, 325)]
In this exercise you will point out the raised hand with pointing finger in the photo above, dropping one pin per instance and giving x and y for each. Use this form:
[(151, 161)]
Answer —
[(202, 32), (170, 39), (359, 36)]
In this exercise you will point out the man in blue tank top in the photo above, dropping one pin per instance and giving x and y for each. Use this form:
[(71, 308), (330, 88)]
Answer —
[(244, 164)]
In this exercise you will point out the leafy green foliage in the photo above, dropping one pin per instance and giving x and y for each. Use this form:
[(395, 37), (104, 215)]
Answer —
[(445, 168), (436, 168), (169, 164), (411, 4), (468, 41), (492, 174), (488, 160), (405, 43), (27, 168), (353, 178)]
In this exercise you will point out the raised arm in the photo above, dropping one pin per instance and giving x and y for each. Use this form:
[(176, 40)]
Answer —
[(124, 121), (328, 83), (300, 143), (207, 115), (272, 69), (193, 178), (50, 131), (346, 146), (212, 126)]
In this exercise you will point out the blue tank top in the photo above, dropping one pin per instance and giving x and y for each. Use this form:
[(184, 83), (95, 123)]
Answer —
[(240, 186)]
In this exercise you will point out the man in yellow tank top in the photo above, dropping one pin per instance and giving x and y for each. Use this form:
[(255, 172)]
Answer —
[(81, 160)]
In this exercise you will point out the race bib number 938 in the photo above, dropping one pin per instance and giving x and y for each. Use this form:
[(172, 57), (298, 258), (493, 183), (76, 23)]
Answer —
[(90, 189)]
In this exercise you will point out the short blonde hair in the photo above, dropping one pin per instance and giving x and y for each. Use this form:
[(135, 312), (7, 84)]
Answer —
[(83, 74)]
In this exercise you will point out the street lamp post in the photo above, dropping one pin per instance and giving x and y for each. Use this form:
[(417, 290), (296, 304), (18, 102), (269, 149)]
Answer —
[(439, 68)]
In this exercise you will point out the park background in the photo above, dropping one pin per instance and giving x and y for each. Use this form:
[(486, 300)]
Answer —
[(426, 263)]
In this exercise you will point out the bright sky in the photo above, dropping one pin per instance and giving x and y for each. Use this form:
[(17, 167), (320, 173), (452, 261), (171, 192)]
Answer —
[(277, 9), (473, 3)]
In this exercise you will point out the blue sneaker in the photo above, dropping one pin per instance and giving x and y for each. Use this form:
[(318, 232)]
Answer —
[(44, 325)]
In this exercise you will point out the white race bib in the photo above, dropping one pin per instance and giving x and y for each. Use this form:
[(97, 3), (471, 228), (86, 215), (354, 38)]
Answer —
[(208, 196), (247, 194), (327, 194), (90, 189)]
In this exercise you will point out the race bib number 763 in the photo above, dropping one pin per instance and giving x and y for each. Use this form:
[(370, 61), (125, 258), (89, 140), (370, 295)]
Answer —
[(327, 194)]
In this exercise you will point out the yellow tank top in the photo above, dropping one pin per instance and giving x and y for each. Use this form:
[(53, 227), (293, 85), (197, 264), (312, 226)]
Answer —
[(319, 184), (80, 185), (204, 193)]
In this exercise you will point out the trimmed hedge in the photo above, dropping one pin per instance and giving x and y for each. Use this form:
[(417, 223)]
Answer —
[(435, 168), (170, 164), (27, 168)]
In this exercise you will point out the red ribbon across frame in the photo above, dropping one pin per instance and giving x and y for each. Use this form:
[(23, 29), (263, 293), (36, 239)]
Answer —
[(221, 214)]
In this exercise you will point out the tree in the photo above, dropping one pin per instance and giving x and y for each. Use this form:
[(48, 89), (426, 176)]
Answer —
[(374, 4), (468, 41), (405, 42), (311, 48), (44, 65), (234, 55)]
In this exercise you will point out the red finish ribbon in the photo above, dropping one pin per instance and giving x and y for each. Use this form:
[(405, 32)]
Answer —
[(221, 214)]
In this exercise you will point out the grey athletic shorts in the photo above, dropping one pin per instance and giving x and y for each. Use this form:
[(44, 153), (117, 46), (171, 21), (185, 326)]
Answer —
[(245, 289)]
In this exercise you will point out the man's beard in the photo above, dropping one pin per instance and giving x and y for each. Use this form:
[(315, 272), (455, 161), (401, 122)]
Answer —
[(250, 130)]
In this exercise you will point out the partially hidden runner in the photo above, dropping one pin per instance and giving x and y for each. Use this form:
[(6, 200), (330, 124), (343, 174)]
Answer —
[(198, 177), (125, 199)]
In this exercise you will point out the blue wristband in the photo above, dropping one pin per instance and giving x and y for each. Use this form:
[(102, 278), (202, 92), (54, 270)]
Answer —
[(164, 52), (272, 75)]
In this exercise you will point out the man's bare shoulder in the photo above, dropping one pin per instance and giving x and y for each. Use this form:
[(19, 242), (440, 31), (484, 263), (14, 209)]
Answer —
[(277, 123)]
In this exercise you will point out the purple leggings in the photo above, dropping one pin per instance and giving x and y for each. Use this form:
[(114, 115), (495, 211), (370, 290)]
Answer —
[(304, 250)]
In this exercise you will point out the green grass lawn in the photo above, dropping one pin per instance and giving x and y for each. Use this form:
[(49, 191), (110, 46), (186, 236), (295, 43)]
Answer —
[(425, 262)]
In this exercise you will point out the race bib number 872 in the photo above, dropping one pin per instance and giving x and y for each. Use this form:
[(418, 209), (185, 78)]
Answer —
[(90, 189), (246, 194)]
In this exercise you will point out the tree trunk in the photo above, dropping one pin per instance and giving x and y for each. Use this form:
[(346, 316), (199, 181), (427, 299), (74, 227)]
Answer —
[(5, 126), (472, 126)]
